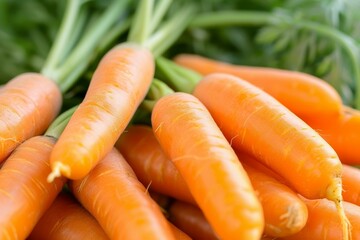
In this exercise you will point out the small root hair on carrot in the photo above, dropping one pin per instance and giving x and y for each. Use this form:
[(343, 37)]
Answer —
[(148, 187), (57, 170)]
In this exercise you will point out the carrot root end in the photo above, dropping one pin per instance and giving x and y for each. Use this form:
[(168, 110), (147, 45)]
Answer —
[(334, 194)]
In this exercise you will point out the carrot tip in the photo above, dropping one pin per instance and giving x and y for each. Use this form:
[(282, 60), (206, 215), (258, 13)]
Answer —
[(57, 170)]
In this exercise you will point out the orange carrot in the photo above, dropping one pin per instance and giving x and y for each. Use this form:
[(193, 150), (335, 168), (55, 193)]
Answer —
[(116, 89), (28, 104), (256, 123), (342, 133), (284, 212), (178, 234), (351, 184), (24, 192), (191, 220), (213, 173), (144, 154), (119, 202), (302, 93), (324, 222), (66, 219)]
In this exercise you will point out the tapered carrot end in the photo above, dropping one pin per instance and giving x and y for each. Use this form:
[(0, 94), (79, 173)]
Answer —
[(57, 171), (334, 194)]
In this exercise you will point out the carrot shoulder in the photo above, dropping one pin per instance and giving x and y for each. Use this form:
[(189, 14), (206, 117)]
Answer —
[(144, 154), (66, 219), (24, 192), (119, 202), (118, 86), (300, 92), (256, 123), (213, 173), (28, 104)]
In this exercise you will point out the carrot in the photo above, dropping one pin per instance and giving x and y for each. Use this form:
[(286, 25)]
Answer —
[(342, 133), (66, 219), (119, 202), (144, 154), (30, 101), (24, 192), (256, 123), (178, 234), (191, 220), (324, 222), (28, 104), (302, 93), (116, 90), (351, 184), (284, 212), (213, 173)]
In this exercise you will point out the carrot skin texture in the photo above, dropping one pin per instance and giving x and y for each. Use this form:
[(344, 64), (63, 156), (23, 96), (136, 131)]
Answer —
[(119, 202), (117, 88), (251, 117), (213, 173), (351, 184), (25, 193), (342, 133), (324, 223), (191, 220), (179, 235), (303, 94), (284, 212), (144, 154), (28, 104), (66, 219)]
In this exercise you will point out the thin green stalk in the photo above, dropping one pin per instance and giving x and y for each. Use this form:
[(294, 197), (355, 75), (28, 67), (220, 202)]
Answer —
[(177, 77), (159, 13), (157, 90), (87, 45), (113, 35), (75, 35), (231, 18), (140, 30), (71, 78), (59, 124), (105, 43), (65, 31), (163, 38), (253, 18)]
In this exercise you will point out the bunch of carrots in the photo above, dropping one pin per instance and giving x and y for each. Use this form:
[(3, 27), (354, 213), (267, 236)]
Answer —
[(188, 148)]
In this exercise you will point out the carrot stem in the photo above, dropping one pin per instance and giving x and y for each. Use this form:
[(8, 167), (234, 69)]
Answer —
[(58, 126), (162, 39), (254, 18), (65, 32), (89, 42), (159, 13), (77, 31), (177, 77), (140, 29), (157, 90)]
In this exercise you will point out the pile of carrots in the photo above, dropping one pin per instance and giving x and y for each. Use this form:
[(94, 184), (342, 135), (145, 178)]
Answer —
[(244, 153)]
